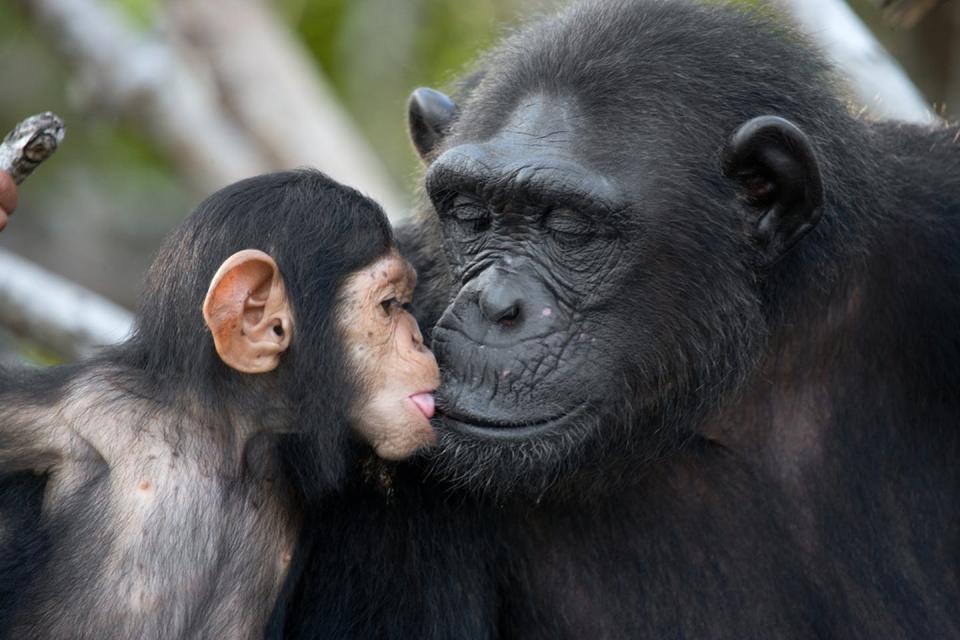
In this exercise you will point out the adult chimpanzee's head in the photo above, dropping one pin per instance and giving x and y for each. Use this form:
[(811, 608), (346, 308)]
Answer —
[(302, 329), (617, 194)]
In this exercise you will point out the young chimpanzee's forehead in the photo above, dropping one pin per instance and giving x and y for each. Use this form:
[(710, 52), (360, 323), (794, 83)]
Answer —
[(388, 273)]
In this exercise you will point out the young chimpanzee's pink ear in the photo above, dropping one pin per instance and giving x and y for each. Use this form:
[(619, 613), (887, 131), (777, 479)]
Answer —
[(248, 312)]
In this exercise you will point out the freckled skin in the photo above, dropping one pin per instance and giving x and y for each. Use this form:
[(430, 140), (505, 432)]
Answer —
[(390, 357)]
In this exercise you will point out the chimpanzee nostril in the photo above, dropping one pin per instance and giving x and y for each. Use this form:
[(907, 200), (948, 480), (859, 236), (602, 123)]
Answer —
[(501, 305)]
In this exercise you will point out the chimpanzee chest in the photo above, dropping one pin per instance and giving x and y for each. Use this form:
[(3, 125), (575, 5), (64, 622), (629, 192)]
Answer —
[(164, 544)]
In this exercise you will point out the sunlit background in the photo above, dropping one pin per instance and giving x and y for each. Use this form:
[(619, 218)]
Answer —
[(97, 211)]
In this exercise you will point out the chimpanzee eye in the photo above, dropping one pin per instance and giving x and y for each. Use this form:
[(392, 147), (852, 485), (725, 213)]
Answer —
[(469, 215), (389, 304), (569, 227)]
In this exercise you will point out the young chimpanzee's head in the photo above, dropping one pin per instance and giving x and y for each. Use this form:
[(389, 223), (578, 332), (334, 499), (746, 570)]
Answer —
[(303, 328)]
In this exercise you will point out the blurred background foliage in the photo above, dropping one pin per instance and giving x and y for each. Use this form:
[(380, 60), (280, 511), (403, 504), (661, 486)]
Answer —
[(376, 51), (98, 210)]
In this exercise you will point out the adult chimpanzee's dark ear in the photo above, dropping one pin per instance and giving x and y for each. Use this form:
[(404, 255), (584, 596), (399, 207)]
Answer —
[(248, 313), (779, 180), (430, 114)]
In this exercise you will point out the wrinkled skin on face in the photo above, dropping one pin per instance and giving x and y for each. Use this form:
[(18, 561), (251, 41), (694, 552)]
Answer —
[(581, 304), (397, 372), (248, 312)]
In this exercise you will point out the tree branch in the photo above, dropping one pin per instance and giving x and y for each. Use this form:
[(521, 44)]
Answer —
[(30, 143), (55, 312)]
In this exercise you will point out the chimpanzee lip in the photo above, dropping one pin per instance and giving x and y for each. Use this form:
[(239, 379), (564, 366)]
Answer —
[(499, 430)]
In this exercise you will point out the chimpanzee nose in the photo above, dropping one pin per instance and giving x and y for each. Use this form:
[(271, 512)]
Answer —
[(501, 304)]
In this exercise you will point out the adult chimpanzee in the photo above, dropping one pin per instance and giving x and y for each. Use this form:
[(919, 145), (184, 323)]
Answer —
[(700, 350), (174, 464)]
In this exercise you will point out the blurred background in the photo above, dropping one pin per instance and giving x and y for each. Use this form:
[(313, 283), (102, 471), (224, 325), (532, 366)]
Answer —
[(167, 100)]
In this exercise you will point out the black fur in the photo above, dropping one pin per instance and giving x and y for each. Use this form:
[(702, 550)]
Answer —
[(771, 450)]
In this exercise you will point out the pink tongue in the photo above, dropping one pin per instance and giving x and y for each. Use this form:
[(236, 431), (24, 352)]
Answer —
[(424, 402)]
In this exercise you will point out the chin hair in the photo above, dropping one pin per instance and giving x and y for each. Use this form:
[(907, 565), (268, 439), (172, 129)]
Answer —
[(579, 456), (498, 468), (596, 451)]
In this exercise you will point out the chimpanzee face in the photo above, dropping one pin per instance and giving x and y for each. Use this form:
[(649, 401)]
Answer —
[(392, 374), (397, 373), (600, 289), (539, 246)]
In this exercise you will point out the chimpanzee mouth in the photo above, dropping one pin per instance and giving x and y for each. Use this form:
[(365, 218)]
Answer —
[(501, 430)]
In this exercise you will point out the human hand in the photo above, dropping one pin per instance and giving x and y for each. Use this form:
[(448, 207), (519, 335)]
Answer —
[(8, 197)]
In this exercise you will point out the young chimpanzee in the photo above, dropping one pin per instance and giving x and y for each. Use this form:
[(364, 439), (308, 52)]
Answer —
[(177, 465)]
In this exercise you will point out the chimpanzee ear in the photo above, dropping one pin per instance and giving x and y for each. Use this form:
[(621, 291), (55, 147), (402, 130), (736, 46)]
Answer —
[(248, 312), (430, 114), (779, 181)]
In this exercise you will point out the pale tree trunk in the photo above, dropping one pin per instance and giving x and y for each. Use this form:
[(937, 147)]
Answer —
[(876, 80), (225, 89), (225, 98), (273, 89), (123, 71), (56, 313)]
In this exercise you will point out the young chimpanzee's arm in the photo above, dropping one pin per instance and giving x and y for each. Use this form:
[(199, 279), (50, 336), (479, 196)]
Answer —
[(27, 446), (33, 435)]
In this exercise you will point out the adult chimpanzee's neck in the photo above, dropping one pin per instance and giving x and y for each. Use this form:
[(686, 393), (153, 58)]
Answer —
[(850, 419), (857, 395)]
